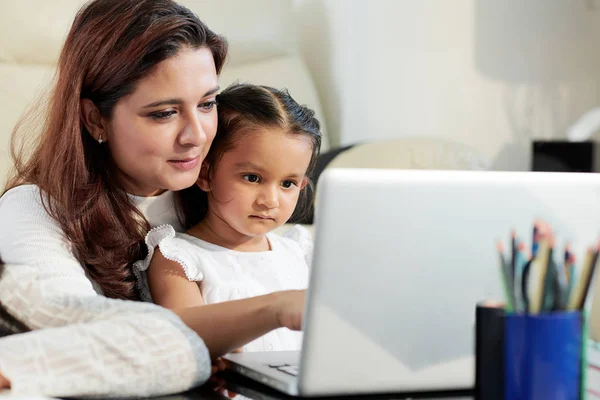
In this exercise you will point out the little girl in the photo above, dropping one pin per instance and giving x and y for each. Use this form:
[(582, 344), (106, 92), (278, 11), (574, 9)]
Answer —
[(265, 148)]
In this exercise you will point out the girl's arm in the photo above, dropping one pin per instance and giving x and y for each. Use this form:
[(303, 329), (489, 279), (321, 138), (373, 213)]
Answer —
[(169, 285), (223, 326), (227, 326)]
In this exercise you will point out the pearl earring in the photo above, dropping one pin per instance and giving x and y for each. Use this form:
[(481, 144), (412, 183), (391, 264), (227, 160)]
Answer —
[(100, 139)]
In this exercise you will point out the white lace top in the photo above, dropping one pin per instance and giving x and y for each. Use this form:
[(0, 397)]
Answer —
[(225, 274), (91, 345)]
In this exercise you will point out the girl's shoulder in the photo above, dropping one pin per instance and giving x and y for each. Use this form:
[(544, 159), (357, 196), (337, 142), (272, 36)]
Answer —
[(174, 246), (297, 238)]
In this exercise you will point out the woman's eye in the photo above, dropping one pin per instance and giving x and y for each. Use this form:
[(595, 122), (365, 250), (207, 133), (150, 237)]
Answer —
[(288, 184), (252, 178), (162, 115), (207, 106)]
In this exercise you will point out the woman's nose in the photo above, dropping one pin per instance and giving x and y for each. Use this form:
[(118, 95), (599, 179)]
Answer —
[(193, 133)]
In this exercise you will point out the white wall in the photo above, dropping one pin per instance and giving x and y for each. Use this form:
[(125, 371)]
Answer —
[(490, 73)]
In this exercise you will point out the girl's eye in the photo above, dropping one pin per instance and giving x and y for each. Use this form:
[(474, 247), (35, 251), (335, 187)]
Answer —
[(162, 115), (288, 184), (207, 106), (252, 178)]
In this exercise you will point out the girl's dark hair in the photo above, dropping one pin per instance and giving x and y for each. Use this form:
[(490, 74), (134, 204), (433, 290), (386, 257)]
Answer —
[(245, 108), (112, 44)]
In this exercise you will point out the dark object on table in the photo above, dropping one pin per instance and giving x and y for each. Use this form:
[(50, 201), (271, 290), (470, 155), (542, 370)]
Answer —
[(563, 156), (489, 351)]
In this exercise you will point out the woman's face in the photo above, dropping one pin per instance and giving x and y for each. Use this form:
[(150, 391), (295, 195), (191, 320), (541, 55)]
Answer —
[(159, 135)]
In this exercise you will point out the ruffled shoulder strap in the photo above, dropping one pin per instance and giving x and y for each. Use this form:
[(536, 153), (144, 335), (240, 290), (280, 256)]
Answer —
[(172, 248)]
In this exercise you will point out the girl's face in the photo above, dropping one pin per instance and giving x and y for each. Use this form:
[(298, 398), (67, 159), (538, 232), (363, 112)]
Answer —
[(255, 186), (159, 135)]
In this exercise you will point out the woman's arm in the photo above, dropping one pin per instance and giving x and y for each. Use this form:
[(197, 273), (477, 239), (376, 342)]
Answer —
[(223, 326), (112, 348), (124, 348), (94, 345)]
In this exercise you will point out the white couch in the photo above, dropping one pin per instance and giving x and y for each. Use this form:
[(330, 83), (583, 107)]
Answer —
[(263, 50)]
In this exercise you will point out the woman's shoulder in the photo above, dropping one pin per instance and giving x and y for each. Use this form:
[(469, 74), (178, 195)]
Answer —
[(23, 200), (20, 193)]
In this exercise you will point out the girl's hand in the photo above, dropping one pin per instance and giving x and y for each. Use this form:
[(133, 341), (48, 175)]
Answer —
[(289, 308), (4, 383), (219, 364)]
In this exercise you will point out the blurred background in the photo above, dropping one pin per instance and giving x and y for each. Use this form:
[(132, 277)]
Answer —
[(494, 74), (462, 84)]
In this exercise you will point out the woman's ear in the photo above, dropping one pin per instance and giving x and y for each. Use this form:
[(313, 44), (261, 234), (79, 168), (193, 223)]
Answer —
[(93, 120), (203, 181)]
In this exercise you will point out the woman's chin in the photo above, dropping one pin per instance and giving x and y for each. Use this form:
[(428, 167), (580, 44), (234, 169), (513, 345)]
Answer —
[(177, 187), (181, 182)]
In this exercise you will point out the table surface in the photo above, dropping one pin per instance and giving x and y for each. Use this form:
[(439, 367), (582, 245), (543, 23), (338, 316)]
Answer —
[(229, 385)]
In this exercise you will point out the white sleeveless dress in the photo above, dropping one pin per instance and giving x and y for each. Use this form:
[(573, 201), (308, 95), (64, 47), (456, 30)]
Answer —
[(224, 274)]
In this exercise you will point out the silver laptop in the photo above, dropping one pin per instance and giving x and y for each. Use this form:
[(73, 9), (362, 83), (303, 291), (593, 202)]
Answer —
[(401, 259)]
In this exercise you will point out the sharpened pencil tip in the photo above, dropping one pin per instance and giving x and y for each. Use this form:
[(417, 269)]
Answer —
[(500, 247)]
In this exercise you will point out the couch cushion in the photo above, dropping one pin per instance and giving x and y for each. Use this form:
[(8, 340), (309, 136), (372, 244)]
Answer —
[(20, 87), (33, 31), (283, 72), (412, 153), (255, 30)]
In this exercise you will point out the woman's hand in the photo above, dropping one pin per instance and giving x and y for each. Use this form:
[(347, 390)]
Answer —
[(4, 383), (289, 308), (220, 365)]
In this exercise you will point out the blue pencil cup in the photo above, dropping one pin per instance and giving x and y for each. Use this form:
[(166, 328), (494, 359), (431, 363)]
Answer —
[(542, 356)]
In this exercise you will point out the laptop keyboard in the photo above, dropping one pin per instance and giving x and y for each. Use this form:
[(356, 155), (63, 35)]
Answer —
[(287, 368)]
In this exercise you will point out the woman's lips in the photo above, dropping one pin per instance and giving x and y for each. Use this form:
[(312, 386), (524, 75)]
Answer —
[(185, 164)]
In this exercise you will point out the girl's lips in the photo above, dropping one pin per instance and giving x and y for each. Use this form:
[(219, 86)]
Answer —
[(185, 164), (262, 217)]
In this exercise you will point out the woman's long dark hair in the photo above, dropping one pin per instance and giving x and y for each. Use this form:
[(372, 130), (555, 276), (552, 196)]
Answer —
[(112, 44), (244, 108)]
